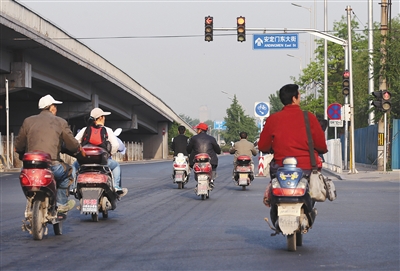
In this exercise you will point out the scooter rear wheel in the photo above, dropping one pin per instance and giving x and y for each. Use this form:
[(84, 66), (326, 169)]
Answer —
[(95, 217), (180, 185), (105, 214), (291, 242), (38, 220), (299, 239)]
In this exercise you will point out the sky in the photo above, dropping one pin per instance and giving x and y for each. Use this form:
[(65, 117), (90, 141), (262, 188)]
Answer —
[(160, 44)]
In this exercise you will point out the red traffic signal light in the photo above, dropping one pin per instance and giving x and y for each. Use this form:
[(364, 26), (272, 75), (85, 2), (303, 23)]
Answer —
[(241, 28), (346, 83), (386, 100), (208, 28), (383, 100)]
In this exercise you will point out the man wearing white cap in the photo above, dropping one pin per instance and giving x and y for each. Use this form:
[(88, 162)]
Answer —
[(97, 118), (46, 132)]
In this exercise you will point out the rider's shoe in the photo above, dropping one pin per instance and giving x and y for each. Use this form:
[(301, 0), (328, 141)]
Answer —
[(66, 207), (71, 191), (122, 192)]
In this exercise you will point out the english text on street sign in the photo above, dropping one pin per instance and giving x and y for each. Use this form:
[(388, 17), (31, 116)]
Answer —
[(219, 125), (335, 123), (276, 41), (334, 111), (261, 109)]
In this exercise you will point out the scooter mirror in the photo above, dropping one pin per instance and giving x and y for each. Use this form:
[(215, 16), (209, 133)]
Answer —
[(117, 131)]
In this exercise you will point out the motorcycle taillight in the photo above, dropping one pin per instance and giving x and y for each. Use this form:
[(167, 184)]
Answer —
[(46, 180), (92, 177), (24, 180), (36, 177), (297, 191), (196, 168)]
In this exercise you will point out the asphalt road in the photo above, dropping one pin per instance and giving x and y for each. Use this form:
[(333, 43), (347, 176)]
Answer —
[(158, 227)]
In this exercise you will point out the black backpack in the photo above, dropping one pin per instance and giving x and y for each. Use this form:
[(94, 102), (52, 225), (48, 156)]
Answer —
[(96, 135)]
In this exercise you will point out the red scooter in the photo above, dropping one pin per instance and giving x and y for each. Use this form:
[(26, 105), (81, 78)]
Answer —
[(95, 183), (39, 186), (203, 175), (243, 173)]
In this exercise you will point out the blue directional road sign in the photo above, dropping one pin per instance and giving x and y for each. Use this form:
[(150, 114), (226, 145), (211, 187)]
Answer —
[(276, 41), (261, 109), (219, 125)]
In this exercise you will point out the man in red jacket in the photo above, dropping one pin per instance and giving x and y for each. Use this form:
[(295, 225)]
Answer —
[(285, 133)]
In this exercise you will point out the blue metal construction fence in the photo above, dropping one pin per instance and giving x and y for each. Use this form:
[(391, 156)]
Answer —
[(366, 145)]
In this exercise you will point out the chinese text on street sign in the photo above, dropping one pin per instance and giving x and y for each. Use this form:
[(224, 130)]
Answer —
[(276, 41), (219, 125)]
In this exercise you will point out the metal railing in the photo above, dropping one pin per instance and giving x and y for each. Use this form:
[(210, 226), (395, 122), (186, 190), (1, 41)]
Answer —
[(134, 152)]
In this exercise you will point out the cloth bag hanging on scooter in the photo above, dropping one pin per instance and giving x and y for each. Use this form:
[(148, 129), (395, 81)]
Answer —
[(321, 187)]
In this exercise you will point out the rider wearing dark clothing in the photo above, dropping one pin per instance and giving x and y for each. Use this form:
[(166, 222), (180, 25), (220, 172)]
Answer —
[(204, 143), (180, 142)]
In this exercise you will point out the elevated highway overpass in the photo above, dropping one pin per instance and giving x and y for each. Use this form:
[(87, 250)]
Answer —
[(38, 58)]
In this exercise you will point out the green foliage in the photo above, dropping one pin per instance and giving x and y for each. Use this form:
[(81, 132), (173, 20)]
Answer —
[(312, 77), (225, 148), (236, 122), (189, 120), (391, 68), (275, 102)]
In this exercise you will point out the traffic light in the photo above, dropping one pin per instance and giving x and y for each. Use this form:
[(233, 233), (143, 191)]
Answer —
[(346, 83), (383, 100), (378, 100), (386, 100), (241, 29), (208, 28)]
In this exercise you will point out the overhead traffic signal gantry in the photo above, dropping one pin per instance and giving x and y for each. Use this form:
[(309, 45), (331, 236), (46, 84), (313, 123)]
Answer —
[(241, 28), (208, 28), (346, 83)]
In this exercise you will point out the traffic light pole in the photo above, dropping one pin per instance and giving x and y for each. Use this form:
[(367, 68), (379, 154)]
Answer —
[(350, 63)]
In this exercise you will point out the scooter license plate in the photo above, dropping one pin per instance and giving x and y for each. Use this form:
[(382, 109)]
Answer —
[(202, 177), (178, 178), (202, 188), (89, 206), (243, 178), (292, 209)]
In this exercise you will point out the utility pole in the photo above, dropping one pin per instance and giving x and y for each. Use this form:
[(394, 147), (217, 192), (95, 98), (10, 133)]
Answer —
[(381, 160), (371, 116)]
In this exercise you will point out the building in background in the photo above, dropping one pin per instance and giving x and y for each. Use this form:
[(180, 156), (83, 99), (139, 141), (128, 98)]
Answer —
[(203, 113)]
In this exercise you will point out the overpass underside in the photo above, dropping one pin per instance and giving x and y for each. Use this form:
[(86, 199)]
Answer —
[(37, 58)]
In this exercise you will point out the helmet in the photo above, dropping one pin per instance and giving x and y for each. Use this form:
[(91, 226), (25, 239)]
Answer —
[(202, 126)]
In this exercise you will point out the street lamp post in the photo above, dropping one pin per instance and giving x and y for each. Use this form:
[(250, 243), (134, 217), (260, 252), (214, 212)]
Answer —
[(309, 9), (299, 58)]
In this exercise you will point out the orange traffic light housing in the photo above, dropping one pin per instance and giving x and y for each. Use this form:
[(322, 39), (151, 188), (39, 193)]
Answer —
[(208, 28), (241, 28)]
